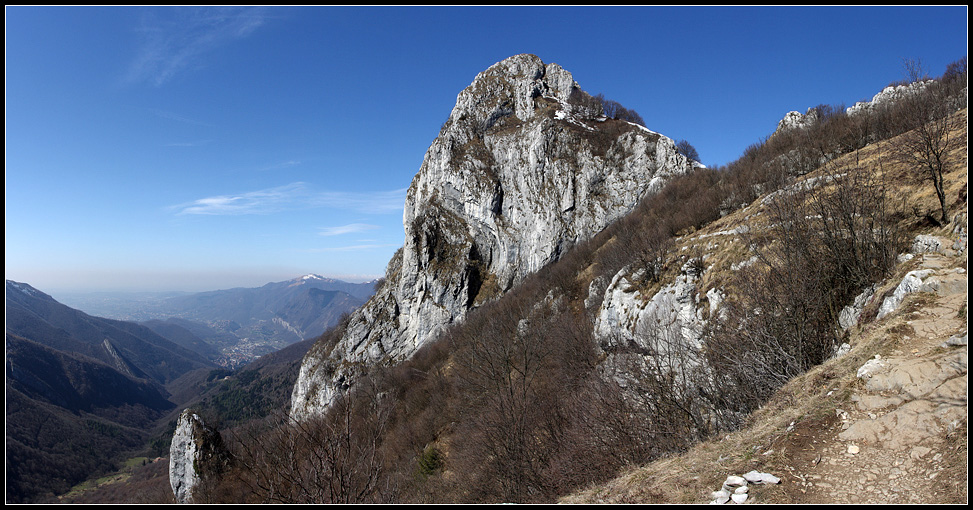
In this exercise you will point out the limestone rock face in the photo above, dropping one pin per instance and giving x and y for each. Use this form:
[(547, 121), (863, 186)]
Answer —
[(196, 451), (887, 96), (798, 120), (851, 314), (520, 172), (626, 317), (912, 282)]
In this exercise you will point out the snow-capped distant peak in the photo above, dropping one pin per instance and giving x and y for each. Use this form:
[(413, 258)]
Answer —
[(308, 279)]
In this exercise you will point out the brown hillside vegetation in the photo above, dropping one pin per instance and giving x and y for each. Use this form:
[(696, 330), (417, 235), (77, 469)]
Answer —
[(899, 436), (523, 401)]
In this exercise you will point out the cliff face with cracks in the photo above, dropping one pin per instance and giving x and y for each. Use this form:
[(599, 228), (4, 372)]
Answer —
[(520, 172)]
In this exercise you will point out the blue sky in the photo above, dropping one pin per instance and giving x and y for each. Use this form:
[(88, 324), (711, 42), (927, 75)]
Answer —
[(164, 148)]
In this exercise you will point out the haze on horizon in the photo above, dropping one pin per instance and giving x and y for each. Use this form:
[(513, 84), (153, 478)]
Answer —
[(150, 281)]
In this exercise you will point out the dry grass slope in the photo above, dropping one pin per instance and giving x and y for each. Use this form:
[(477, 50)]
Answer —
[(911, 447)]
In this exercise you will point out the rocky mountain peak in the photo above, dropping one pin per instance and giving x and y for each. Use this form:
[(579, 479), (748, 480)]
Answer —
[(509, 87), (511, 183)]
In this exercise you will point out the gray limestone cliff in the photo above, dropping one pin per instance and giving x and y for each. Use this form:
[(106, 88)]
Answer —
[(196, 452), (522, 170)]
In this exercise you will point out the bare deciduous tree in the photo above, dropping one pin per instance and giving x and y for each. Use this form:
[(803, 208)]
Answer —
[(586, 105), (686, 149), (926, 146)]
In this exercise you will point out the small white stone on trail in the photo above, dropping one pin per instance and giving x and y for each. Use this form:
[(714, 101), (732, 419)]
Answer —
[(870, 367), (734, 481), (853, 449), (741, 490), (758, 477)]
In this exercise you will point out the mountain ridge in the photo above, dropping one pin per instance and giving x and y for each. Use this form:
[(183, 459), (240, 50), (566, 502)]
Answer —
[(36, 316)]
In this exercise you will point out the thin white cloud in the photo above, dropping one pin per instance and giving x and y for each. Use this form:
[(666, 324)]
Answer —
[(295, 196), (351, 228), (376, 202), (253, 202), (357, 247), (283, 164), (177, 39)]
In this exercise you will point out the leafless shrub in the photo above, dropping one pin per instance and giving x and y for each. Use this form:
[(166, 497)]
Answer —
[(828, 240), (584, 105), (335, 458), (614, 110), (516, 368)]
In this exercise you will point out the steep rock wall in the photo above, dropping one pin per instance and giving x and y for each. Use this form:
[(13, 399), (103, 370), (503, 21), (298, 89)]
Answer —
[(519, 173)]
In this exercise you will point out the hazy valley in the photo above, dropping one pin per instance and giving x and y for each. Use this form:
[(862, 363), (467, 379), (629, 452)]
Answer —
[(241, 324), (111, 384)]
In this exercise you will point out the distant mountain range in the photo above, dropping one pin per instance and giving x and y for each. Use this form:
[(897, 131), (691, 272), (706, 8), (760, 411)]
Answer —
[(133, 350), (235, 326), (305, 305)]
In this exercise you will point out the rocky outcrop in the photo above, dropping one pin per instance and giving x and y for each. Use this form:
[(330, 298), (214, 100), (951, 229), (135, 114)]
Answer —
[(520, 172), (118, 362), (196, 453), (927, 244), (627, 317), (851, 314), (797, 120), (916, 281), (887, 96)]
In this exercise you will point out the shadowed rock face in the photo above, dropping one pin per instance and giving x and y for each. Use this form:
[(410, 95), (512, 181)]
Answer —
[(518, 174)]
